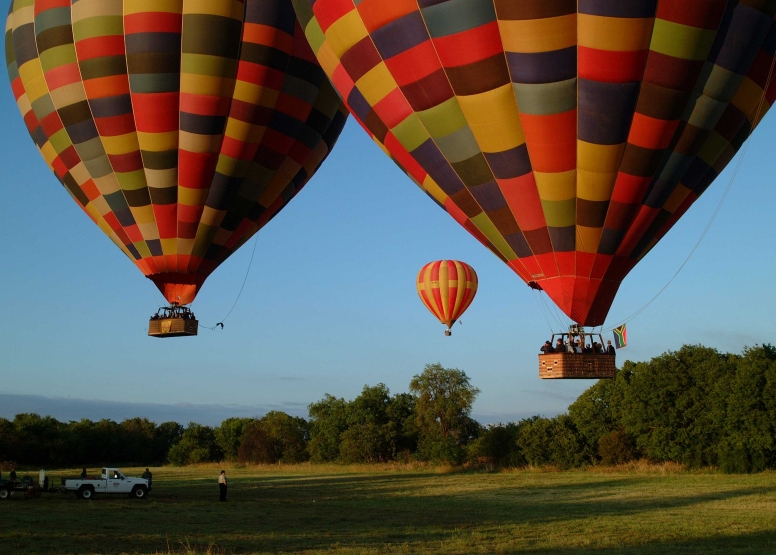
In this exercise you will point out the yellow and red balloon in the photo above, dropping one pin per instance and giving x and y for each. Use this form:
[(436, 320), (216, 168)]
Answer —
[(447, 288)]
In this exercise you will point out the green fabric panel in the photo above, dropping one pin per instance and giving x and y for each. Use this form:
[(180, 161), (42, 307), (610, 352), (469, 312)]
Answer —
[(43, 106), (132, 180), (143, 249), (713, 147), (57, 57), (154, 82), (456, 16), (60, 140), (681, 41), (91, 150), (720, 83), (54, 17), (315, 35), (489, 230), (560, 213), (98, 27), (707, 112), (411, 133), (304, 13), (98, 167), (443, 119), (213, 66), (547, 98), (458, 146)]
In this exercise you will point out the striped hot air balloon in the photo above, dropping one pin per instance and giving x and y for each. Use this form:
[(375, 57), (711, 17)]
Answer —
[(179, 127), (568, 136), (447, 288)]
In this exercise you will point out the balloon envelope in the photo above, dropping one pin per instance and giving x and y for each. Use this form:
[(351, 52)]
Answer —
[(447, 288), (180, 128), (568, 136)]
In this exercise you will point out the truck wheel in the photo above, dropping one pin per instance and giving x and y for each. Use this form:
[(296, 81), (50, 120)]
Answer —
[(4, 494), (139, 492), (86, 493)]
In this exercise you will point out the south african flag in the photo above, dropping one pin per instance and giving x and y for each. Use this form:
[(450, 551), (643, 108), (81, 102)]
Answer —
[(620, 337)]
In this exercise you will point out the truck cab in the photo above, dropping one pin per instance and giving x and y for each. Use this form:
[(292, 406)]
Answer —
[(111, 481)]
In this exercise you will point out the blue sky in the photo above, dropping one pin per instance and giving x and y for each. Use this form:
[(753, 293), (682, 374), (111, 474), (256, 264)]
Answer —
[(330, 303)]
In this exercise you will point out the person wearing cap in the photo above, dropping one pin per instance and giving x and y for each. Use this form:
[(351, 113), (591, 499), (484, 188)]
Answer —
[(609, 348), (547, 348)]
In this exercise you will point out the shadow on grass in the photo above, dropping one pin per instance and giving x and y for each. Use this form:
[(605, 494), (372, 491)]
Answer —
[(366, 513)]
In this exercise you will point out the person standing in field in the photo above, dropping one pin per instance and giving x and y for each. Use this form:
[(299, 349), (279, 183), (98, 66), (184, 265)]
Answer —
[(148, 476), (222, 485)]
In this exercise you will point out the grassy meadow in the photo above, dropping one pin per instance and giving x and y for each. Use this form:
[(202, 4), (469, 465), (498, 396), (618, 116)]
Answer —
[(366, 510)]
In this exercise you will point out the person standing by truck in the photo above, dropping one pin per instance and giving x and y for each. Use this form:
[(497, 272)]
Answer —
[(148, 476), (222, 485)]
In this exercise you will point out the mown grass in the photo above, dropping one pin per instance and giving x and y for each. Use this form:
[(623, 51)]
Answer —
[(365, 510)]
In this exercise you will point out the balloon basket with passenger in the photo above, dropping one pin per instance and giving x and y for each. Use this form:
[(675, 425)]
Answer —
[(572, 357), (173, 321)]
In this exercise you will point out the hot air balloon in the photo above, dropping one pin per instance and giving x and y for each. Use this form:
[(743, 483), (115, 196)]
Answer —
[(180, 128), (447, 288), (568, 136)]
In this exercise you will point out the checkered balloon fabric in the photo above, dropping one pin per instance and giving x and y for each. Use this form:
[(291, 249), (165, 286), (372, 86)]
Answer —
[(568, 136), (179, 127)]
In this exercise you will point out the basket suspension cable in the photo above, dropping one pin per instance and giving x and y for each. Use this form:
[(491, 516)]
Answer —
[(239, 293), (732, 179), (542, 310)]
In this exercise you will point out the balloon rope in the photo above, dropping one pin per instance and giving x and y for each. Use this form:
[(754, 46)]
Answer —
[(542, 310), (247, 272), (719, 205)]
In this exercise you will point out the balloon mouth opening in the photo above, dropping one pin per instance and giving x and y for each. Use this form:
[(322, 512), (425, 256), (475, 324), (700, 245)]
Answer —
[(178, 288)]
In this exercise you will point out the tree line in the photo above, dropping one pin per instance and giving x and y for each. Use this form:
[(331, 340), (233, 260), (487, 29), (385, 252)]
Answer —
[(695, 406)]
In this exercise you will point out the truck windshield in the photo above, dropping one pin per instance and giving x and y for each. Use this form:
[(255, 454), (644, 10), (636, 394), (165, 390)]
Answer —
[(115, 475)]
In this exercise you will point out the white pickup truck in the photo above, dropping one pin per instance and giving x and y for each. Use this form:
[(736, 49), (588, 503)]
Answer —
[(111, 481)]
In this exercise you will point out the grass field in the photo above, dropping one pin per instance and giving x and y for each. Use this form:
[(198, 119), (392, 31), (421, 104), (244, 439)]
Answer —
[(366, 510)]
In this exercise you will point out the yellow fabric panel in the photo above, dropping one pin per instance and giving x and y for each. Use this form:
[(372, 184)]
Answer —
[(144, 215), (487, 228), (224, 8), (205, 64), (192, 197), (248, 92), (588, 238), (597, 166), (434, 190), (160, 179), (539, 35), (206, 85), (619, 34), (48, 153), (107, 184), (31, 75), (169, 246), (328, 59), (712, 147), (158, 142), (346, 32), (557, 185), (681, 41), (184, 246), (494, 119), (147, 229), (120, 144), (244, 131), (376, 83), (95, 8), (68, 95), (232, 167), (748, 98), (676, 198), (193, 142), (443, 119), (138, 6)]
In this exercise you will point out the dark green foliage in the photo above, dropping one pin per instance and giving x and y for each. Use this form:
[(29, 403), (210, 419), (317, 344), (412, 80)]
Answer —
[(616, 447), (274, 438), (497, 445), (443, 404), (197, 445), (229, 434), (553, 441), (328, 420)]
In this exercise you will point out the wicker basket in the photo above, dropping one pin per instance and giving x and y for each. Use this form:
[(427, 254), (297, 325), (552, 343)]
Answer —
[(172, 327), (576, 366)]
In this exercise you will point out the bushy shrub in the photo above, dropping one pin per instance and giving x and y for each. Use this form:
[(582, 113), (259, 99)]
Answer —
[(616, 447)]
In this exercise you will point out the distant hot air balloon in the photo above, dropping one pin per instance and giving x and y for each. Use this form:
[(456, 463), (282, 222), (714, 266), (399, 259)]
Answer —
[(180, 128), (568, 136), (447, 288)]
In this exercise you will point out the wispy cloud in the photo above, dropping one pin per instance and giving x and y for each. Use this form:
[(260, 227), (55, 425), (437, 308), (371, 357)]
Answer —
[(66, 409)]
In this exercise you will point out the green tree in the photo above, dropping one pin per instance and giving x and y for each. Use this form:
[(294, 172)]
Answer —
[(328, 419), (287, 436), (229, 434), (197, 445), (553, 441), (443, 404), (497, 445)]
